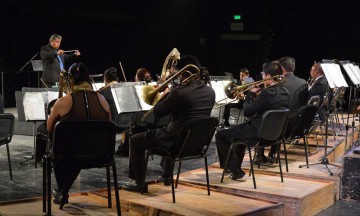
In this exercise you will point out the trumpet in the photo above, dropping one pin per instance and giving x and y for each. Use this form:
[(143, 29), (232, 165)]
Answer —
[(151, 95), (236, 92)]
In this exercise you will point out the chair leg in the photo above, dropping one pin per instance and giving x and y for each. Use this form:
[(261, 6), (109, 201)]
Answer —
[(306, 152), (144, 175), (178, 173), (44, 184), (116, 188), (252, 165), (172, 181), (285, 153), (108, 186), (278, 156), (226, 163), (9, 161), (48, 181), (207, 175)]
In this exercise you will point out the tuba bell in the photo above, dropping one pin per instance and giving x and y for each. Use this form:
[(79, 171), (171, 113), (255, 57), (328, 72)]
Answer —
[(170, 61), (66, 83)]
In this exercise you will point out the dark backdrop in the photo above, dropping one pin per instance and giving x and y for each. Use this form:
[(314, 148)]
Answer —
[(142, 33)]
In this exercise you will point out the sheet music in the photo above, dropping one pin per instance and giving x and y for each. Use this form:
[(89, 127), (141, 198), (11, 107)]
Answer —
[(333, 75), (125, 96), (356, 71), (97, 85), (350, 70), (34, 104), (220, 96)]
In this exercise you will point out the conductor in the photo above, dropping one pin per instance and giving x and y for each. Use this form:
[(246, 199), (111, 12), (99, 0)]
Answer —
[(54, 60)]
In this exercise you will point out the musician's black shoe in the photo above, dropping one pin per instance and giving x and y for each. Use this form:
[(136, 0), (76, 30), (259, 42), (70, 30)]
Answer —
[(166, 181), (135, 187), (226, 124), (235, 175), (60, 199), (263, 160), (272, 158)]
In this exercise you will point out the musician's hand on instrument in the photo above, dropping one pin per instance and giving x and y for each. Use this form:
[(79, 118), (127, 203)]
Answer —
[(358, 108), (167, 90), (77, 53), (59, 52), (255, 89)]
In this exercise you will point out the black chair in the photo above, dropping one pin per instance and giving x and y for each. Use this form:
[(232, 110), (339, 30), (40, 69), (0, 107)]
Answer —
[(81, 144), (271, 130), (304, 119), (6, 132), (193, 143)]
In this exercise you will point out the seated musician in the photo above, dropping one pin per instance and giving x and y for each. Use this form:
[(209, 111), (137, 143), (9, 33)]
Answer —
[(82, 103), (297, 88), (143, 74), (110, 76), (275, 96), (319, 86), (193, 100), (244, 79)]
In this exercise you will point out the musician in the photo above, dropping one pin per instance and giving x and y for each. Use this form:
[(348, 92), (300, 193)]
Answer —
[(244, 79), (143, 74), (318, 86), (54, 60), (275, 96), (76, 105), (297, 88), (186, 102), (110, 76)]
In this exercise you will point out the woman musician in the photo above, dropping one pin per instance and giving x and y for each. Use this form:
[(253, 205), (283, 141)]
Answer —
[(110, 76)]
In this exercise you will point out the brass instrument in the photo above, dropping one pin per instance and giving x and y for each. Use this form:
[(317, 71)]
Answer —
[(151, 95), (170, 61), (236, 92), (66, 83)]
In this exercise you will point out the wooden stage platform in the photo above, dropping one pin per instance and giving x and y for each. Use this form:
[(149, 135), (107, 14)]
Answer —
[(305, 191)]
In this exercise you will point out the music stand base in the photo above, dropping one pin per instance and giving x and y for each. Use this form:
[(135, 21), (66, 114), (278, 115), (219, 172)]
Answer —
[(324, 161), (27, 158)]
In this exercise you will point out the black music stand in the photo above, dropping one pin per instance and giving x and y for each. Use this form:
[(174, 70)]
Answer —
[(353, 73), (335, 80), (34, 100), (37, 66)]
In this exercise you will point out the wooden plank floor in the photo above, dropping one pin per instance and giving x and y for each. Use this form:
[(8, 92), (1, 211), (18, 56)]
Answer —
[(305, 191)]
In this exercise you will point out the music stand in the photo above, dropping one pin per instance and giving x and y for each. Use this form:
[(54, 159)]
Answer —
[(353, 74), (335, 79), (218, 83), (37, 65), (33, 105)]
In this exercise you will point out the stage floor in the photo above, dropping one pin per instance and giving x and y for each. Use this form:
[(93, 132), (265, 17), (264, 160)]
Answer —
[(27, 184)]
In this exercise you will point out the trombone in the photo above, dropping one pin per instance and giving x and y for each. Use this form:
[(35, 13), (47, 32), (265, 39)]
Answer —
[(151, 95), (236, 92)]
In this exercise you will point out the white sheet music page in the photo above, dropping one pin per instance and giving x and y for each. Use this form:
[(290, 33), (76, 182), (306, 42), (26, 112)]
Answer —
[(356, 70), (333, 75), (34, 105), (350, 71)]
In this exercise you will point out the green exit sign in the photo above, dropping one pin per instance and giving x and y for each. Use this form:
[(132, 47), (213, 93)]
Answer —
[(237, 17)]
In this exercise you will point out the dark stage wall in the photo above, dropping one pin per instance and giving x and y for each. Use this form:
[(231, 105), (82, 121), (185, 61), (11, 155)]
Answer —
[(142, 33)]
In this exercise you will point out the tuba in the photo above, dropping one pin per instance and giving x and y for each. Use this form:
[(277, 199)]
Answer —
[(66, 83), (170, 61)]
